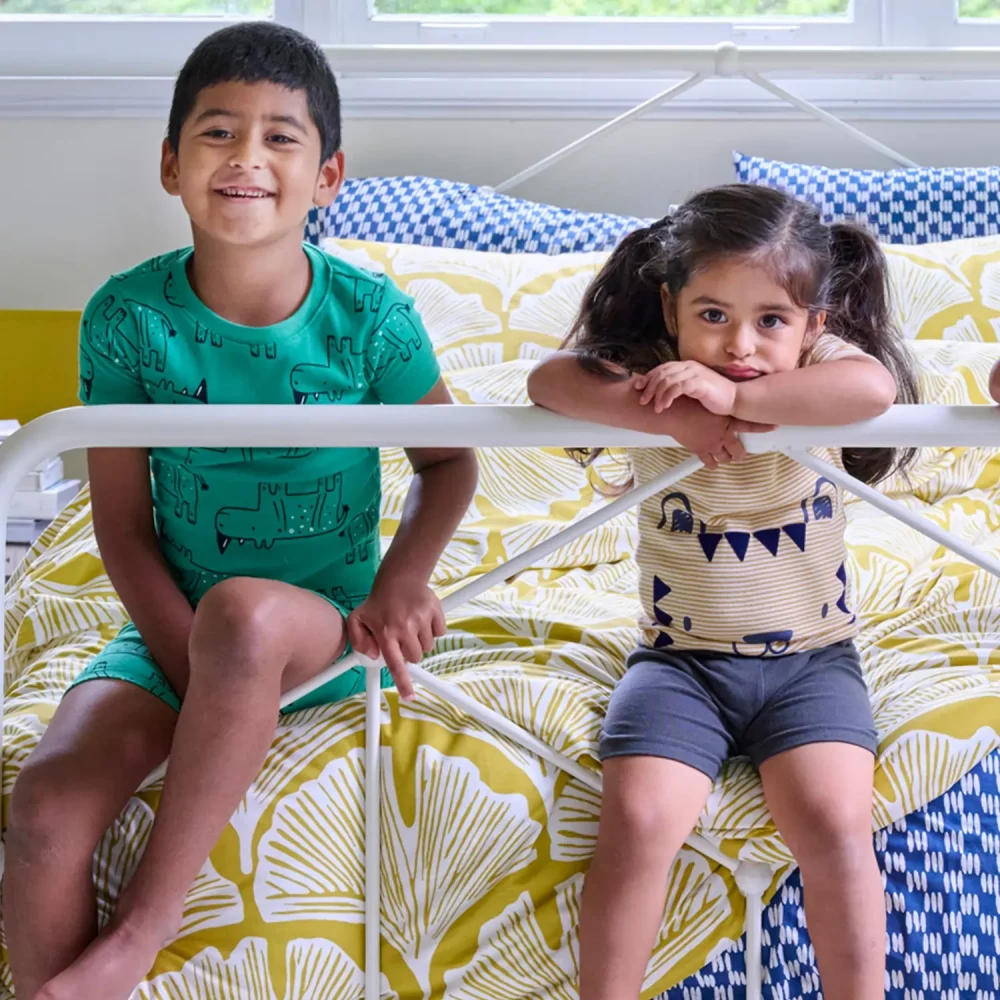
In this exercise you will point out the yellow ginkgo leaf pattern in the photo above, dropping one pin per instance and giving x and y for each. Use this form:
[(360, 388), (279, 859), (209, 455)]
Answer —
[(484, 845)]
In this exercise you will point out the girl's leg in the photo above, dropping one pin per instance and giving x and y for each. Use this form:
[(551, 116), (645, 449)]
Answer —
[(662, 738), (251, 640), (649, 807), (820, 796), (105, 737)]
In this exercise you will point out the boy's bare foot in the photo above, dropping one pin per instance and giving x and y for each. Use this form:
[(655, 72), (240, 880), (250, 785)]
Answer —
[(111, 968)]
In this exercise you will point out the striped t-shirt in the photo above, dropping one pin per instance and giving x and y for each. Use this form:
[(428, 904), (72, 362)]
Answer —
[(748, 559)]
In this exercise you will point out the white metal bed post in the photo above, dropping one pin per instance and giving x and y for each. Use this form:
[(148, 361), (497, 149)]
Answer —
[(245, 426)]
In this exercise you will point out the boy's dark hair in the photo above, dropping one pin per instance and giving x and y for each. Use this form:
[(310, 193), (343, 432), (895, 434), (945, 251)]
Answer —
[(260, 52), (839, 269)]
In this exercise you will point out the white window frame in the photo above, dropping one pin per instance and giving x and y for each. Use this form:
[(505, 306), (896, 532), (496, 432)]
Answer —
[(356, 22), (136, 47)]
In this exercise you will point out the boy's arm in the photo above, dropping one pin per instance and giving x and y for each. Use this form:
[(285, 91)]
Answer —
[(560, 384), (402, 616), (122, 503), (995, 382)]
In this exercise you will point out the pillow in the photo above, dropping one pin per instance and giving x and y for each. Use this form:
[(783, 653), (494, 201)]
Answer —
[(480, 308), (434, 212), (947, 291), (921, 205)]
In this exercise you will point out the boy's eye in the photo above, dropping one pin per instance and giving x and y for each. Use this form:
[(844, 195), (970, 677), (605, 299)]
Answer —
[(281, 140), (217, 133), (714, 316)]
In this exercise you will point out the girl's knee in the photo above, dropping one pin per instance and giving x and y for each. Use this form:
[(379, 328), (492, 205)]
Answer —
[(836, 841)]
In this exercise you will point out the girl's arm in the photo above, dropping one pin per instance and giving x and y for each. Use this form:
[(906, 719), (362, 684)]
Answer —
[(834, 392), (122, 503), (560, 384)]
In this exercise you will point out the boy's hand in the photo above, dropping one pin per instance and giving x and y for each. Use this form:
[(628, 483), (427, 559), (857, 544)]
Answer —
[(665, 383), (400, 621)]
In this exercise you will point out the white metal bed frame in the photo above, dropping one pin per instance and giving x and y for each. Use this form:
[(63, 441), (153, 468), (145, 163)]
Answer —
[(518, 426)]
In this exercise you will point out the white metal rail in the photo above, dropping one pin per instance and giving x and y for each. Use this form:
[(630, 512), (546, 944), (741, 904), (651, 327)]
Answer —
[(482, 426)]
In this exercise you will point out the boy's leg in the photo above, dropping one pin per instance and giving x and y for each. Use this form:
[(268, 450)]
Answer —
[(251, 640), (820, 796), (104, 739)]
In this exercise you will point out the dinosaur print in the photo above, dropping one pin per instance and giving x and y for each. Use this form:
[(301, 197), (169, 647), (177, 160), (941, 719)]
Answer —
[(170, 293), (86, 374), (203, 334), (161, 263), (330, 381), (155, 329), (270, 351), (284, 512), (361, 533), (104, 332), (368, 294), (341, 598), (200, 394), (399, 330), (192, 578), (182, 486), (194, 455)]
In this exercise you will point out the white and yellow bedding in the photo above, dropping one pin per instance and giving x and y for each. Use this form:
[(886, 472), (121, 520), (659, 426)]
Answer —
[(484, 847)]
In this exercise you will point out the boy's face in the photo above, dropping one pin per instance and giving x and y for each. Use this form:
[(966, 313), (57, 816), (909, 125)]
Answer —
[(248, 164)]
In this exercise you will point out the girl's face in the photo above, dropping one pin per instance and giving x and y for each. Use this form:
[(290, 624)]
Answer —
[(733, 318)]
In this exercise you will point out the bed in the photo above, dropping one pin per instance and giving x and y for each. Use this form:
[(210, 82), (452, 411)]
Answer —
[(484, 845)]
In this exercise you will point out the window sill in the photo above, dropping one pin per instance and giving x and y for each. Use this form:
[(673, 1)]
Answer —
[(482, 98)]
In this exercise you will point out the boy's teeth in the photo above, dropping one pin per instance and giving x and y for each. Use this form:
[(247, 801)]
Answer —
[(239, 193)]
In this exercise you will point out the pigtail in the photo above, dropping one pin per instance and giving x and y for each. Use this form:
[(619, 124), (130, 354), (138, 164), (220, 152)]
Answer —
[(858, 311), (619, 329)]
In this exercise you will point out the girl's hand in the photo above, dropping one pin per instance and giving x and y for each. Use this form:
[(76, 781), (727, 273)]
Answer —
[(715, 439), (399, 621), (664, 384)]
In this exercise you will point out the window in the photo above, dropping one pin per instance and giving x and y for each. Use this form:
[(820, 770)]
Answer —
[(136, 38), (674, 22), (140, 8)]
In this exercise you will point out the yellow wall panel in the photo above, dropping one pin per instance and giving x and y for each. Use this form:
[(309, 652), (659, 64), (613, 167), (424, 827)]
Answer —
[(38, 362)]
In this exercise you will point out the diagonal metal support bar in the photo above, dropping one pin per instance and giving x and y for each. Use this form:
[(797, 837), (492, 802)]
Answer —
[(897, 510), (606, 129), (814, 111)]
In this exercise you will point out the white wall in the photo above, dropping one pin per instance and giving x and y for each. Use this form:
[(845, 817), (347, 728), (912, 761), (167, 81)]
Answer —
[(81, 198)]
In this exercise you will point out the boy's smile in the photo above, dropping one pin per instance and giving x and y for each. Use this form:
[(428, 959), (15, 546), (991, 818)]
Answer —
[(248, 164)]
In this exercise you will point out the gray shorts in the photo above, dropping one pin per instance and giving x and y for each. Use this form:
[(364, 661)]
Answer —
[(701, 708)]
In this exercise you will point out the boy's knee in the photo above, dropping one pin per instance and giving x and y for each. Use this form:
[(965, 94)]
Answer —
[(639, 817), (46, 811), (239, 621)]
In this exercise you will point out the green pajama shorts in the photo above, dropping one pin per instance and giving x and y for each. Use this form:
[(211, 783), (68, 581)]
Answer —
[(126, 658)]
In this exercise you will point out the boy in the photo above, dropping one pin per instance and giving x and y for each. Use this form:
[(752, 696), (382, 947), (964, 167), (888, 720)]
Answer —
[(245, 571)]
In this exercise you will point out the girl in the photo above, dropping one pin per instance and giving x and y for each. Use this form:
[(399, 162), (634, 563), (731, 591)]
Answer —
[(741, 307)]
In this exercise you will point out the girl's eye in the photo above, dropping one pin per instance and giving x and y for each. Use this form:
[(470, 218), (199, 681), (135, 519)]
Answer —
[(771, 322), (714, 316)]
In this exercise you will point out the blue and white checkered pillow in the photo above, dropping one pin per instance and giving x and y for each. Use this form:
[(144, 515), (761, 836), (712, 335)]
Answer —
[(921, 205), (433, 212)]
